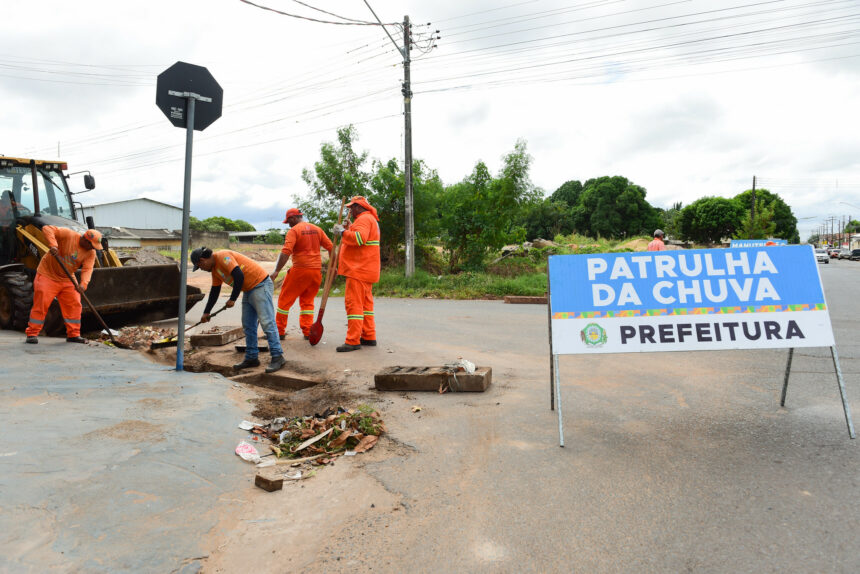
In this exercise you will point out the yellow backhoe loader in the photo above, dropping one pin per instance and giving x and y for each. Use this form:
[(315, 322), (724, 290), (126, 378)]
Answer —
[(35, 193)]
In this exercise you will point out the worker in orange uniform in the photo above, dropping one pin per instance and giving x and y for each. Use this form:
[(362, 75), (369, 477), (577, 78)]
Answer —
[(657, 243), (245, 276), (302, 282), (359, 263), (77, 251)]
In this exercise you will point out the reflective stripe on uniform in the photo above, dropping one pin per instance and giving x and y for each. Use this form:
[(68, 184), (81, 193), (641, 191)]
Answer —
[(366, 313), (355, 317), (358, 238), (306, 312), (372, 242), (74, 321), (37, 321), (283, 311)]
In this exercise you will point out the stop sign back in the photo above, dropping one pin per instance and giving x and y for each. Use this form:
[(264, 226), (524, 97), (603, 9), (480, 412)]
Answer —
[(173, 89)]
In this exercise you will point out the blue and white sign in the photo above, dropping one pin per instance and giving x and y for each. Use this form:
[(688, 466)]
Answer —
[(691, 300), (757, 242)]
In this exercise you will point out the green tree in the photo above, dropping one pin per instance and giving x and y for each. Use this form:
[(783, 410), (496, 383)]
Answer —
[(614, 207), (388, 196), (218, 223), (710, 219), (761, 226), (784, 220), (568, 193), (479, 213), (852, 226), (339, 173), (273, 237), (547, 218), (670, 218)]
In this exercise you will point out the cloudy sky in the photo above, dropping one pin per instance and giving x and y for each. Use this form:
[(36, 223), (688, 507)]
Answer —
[(686, 98)]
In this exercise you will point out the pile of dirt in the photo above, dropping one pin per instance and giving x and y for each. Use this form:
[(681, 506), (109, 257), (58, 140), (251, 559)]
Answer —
[(262, 255), (139, 337), (144, 257), (636, 245)]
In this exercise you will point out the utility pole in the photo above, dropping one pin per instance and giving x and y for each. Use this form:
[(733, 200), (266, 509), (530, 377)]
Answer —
[(407, 137), (752, 207), (407, 168)]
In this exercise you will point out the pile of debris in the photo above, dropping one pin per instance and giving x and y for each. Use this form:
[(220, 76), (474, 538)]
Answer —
[(301, 443), (138, 337)]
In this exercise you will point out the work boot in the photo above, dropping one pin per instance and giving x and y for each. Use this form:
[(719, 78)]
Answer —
[(276, 363), (346, 348), (307, 337), (247, 364), (368, 342), (282, 336), (32, 340), (78, 339)]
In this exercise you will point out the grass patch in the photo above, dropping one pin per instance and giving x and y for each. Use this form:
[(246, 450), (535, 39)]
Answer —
[(393, 283)]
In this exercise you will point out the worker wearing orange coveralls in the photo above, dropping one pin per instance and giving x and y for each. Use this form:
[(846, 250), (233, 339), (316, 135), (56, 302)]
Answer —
[(302, 282), (77, 251), (359, 263)]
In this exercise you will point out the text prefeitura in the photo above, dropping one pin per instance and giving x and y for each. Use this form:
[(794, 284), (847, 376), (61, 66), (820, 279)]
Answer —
[(715, 288)]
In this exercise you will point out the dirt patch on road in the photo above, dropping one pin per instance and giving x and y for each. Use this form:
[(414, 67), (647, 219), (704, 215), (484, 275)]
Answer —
[(133, 431)]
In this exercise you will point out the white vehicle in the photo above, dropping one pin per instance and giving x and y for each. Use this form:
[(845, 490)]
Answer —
[(821, 256)]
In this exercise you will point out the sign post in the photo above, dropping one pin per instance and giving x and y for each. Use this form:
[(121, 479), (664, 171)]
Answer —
[(180, 88), (691, 300)]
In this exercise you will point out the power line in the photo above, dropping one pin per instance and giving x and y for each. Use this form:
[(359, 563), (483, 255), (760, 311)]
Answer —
[(282, 13)]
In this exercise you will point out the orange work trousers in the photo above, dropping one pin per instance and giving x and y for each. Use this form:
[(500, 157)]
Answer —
[(302, 284), (358, 301), (44, 291)]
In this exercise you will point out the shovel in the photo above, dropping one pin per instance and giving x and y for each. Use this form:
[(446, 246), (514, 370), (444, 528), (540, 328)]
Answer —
[(173, 341), (87, 299), (317, 328)]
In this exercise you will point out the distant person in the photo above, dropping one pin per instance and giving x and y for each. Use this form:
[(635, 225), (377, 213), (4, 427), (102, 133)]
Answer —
[(245, 276), (359, 262), (657, 243), (302, 282), (77, 251)]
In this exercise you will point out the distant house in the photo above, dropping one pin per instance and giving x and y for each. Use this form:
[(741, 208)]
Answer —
[(141, 213), (119, 237), (247, 236)]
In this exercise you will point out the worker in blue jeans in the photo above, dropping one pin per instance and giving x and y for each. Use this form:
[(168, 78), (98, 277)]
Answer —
[(245, 276)]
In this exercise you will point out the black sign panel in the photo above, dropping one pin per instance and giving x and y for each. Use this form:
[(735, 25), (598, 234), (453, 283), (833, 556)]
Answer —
[(180, 79)]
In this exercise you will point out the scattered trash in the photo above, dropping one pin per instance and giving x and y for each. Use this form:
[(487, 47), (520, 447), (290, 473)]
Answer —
[(246, 425), (248, 452), (297, 475), (111, 332), (416, 409), (138, 337), (350, 453)]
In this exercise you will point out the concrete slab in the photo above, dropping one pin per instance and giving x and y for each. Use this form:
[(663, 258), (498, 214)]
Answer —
[(222, 337), (432, 379), (525, 300), (110, 463)]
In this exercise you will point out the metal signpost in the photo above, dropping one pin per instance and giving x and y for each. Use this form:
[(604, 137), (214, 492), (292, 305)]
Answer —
[(690, 300), (190, 98)]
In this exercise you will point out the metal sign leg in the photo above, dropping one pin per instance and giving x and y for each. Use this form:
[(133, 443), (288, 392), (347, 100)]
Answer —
[(845, 406), (787, 373), (558, 403)]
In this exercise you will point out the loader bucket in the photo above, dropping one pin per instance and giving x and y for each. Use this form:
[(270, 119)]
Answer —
[(129, 295)]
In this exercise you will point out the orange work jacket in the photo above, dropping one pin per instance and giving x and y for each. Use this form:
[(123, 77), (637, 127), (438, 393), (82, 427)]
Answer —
[(66, 242), (303, 242), (226, 261), (359, 252)]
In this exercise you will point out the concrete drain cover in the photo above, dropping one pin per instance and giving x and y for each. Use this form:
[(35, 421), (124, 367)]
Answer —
[(279, 380)]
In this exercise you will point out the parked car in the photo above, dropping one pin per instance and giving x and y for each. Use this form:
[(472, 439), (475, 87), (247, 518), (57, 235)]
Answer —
[(844, 254), (822, 257), (834, 252), (855, 255)]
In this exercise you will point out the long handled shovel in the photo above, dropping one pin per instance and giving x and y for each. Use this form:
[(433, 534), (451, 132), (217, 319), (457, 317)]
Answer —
[(317, 328), (174, 340), (92, 307)]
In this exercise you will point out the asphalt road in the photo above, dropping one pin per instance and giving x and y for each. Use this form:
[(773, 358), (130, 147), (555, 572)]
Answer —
[(673, 461)]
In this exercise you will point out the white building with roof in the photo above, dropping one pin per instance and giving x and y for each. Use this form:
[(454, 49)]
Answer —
[(140, 213)]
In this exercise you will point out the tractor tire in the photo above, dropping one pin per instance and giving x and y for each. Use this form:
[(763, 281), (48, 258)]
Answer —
[(16, 299)]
